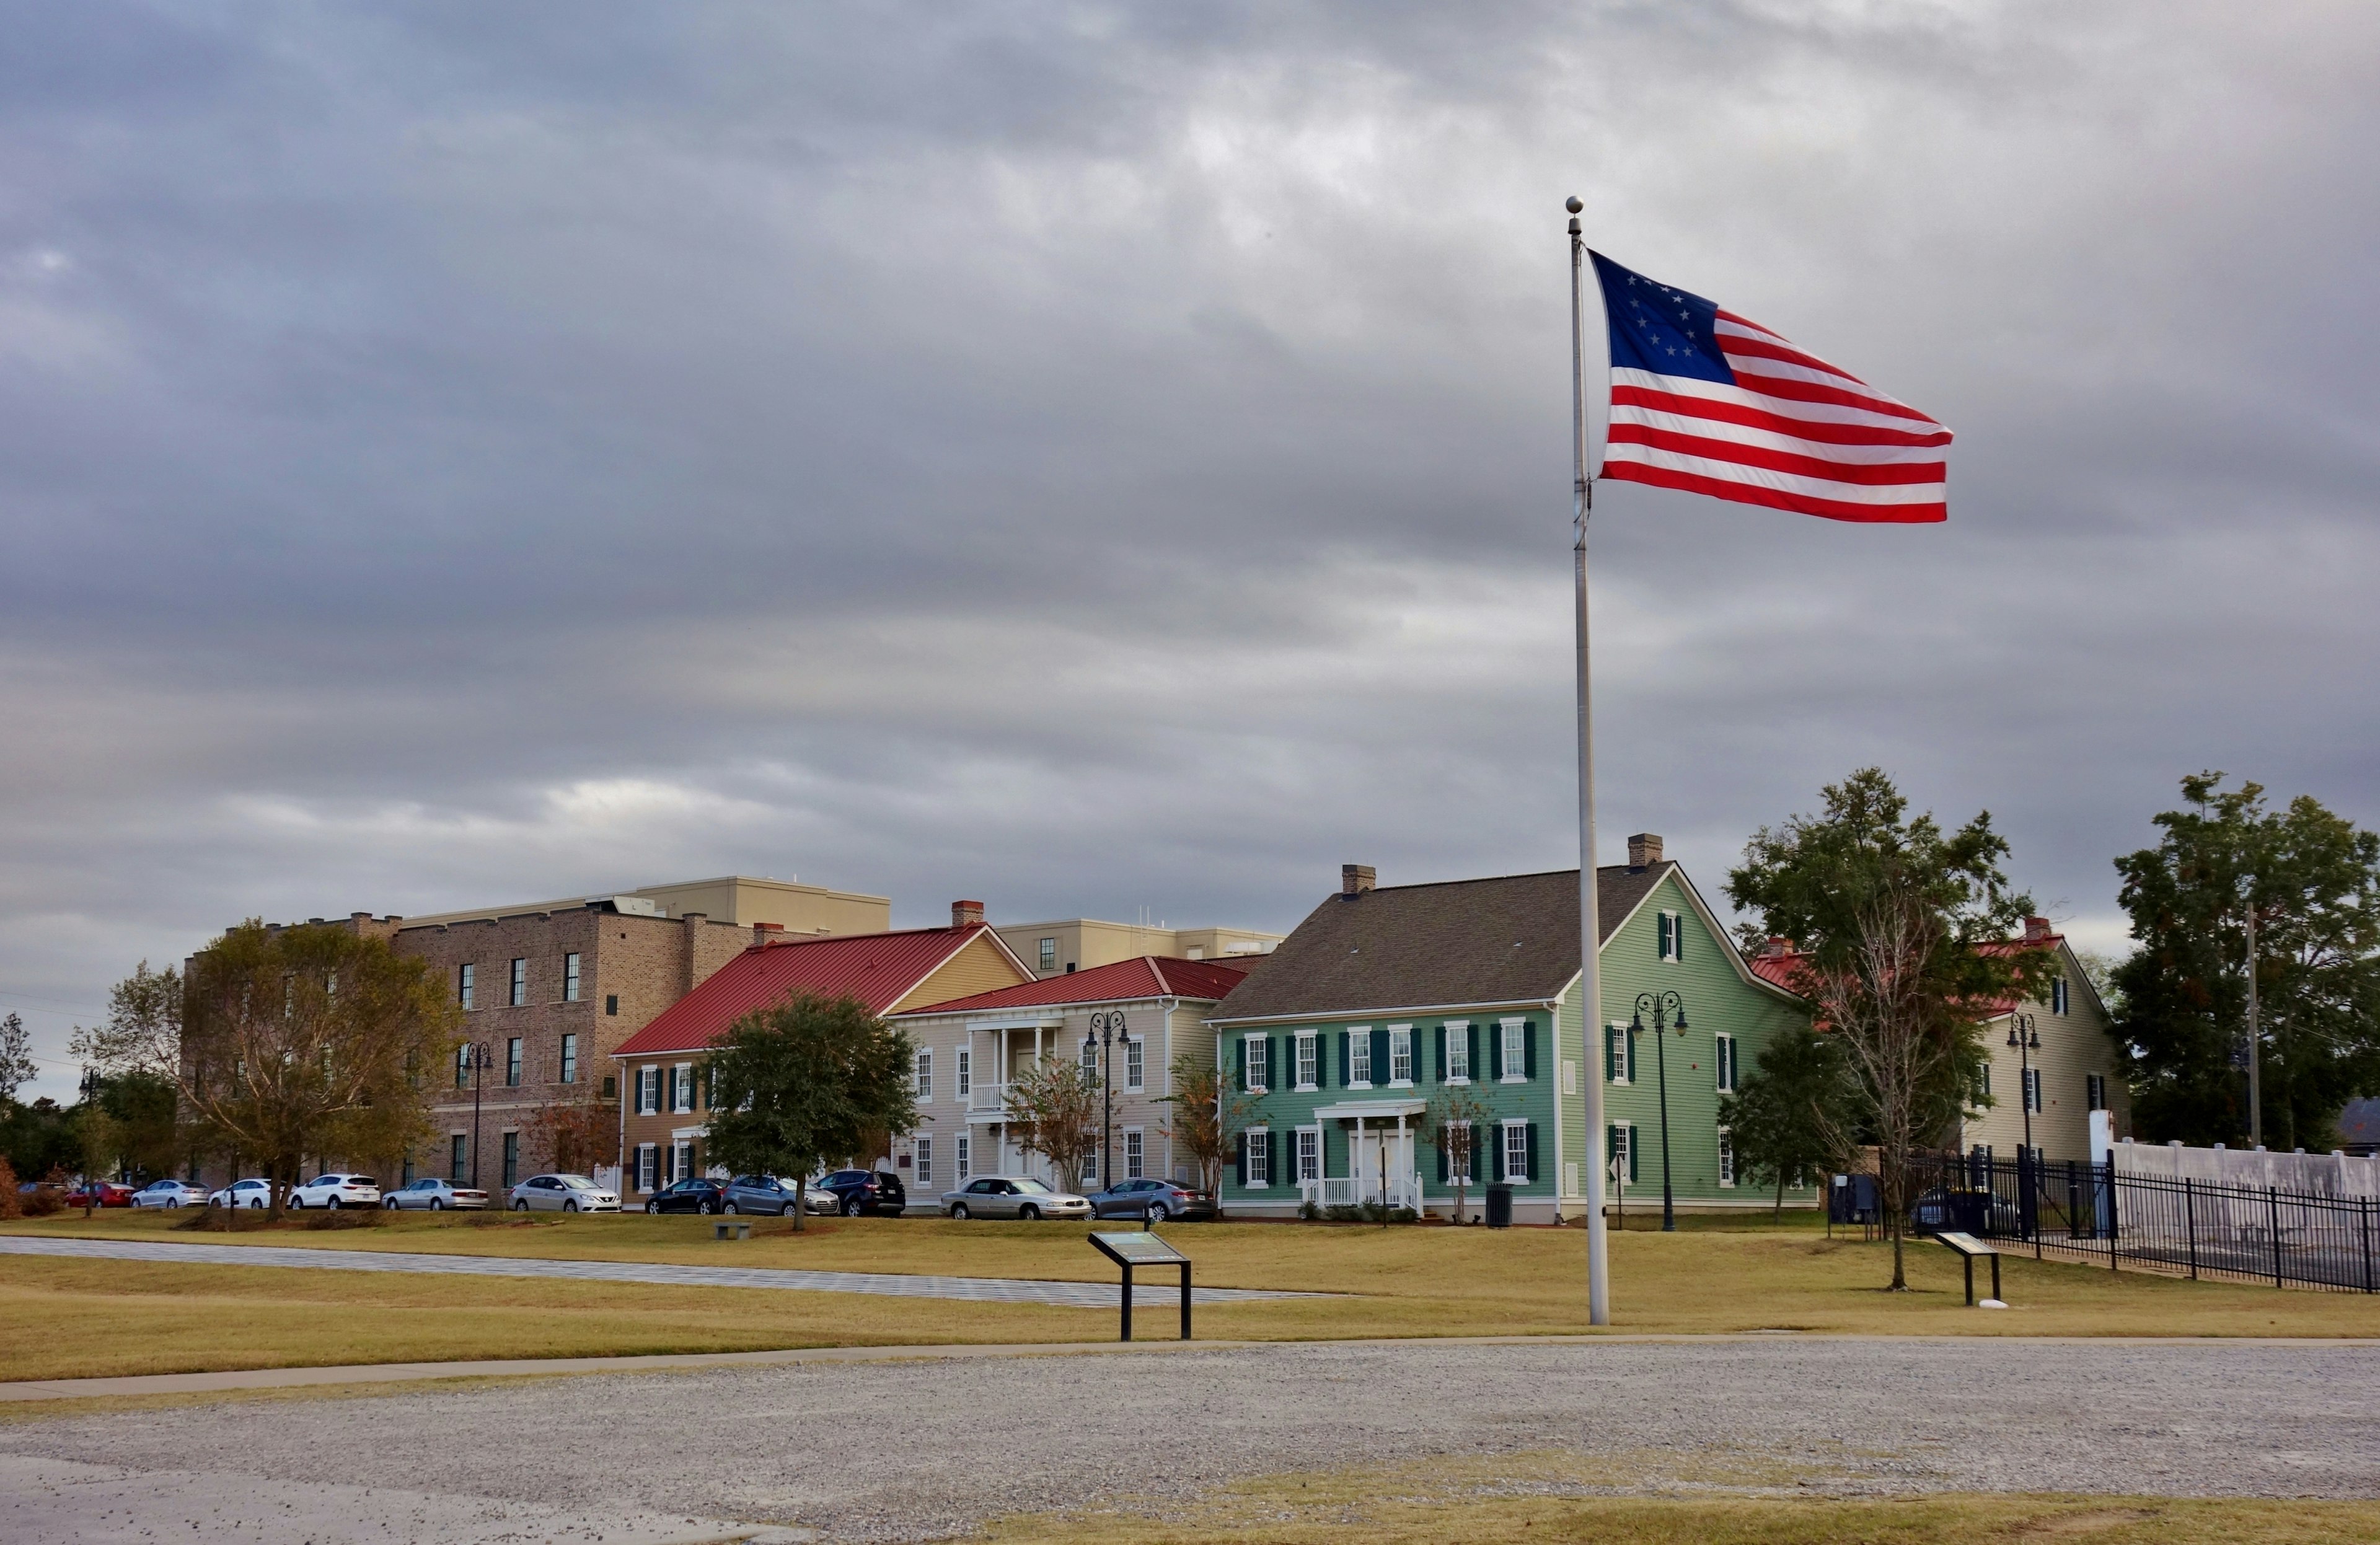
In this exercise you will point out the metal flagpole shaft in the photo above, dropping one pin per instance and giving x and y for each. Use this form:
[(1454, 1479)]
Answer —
[(1598, 1257), (2255, 1041)]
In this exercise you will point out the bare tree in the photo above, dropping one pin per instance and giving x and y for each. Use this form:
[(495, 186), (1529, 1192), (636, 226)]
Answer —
[(1053, 1110), (1454, 1117), (287, 1042), (576, 1131), (1208, 1114)]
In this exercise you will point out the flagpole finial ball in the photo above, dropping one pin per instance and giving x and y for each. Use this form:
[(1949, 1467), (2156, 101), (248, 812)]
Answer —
[(1572, 205)]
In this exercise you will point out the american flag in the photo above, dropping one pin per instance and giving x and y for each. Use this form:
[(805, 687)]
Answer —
[(1705, 401)]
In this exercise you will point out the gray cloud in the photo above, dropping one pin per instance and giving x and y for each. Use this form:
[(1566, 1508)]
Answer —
[(1094, 456)]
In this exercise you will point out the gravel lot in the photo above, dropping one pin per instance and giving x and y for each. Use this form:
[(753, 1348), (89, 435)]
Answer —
[(919, 1450)]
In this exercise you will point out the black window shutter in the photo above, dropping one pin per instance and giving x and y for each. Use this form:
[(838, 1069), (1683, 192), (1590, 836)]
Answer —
[(1470, 1063), (1532, 1152), (1345, 1066), (1380, 1056), (1272, 1157), (1240, 1057), (1529, 1050), (1678, 936), (1244, 1159), (1444, 1138), (1441, 1060), (1495, 1052), (1278, 1073)]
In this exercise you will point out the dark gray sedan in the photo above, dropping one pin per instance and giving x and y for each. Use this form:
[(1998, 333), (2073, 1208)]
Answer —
[(763, 1194), (1012, 1195), (1151, 1201)]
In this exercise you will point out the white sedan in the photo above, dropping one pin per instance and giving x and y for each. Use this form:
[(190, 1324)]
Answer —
[(170, 1193), (336, 1190), (563, 1192), (256, 1193)]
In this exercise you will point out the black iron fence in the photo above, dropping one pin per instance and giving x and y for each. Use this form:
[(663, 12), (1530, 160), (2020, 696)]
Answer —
[(2196, 1227)]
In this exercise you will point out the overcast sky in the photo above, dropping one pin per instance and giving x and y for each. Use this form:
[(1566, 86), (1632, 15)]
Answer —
[(1099, 457)]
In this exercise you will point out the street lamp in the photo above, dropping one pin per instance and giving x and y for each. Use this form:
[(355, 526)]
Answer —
[(1106, 1028), (2027, 1041), (476, 1056), (91, 1086), (1660, 1005)]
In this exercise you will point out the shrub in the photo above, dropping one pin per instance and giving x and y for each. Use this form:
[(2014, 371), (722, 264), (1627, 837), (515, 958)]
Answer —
[(346, 1217), (1308, 1210), (11, 1204), (44, 1202)]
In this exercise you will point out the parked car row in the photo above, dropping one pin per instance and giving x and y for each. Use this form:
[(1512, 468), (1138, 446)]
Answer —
[(1019, 1196), (849, 1192), (546, 1193)]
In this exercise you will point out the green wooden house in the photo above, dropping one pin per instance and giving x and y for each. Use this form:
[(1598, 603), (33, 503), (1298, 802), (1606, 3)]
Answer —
[(1387, 997)]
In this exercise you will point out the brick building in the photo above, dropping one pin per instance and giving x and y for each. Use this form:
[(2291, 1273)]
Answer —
[(550, 990)]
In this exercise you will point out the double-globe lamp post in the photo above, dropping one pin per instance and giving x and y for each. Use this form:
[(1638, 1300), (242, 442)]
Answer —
[(2027, 1041), (1106, 1030), (477, 1058), (1668, 1012)]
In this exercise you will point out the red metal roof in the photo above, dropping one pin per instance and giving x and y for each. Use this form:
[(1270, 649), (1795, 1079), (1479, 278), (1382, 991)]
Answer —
[(1789, 970), (1145, 976), (875, 969)]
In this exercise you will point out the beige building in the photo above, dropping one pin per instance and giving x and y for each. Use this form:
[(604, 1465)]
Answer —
[(739, 900), (2055, 1058), (1052, 949)]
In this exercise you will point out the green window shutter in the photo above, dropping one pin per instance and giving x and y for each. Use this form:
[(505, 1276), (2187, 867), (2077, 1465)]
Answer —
[(1272, 1155), (1495, 1052), (1240, 1060), (1441, 1061), (1471, 1061), (1529, 1050), (1532, 1152), (1678, 936), (1380, 1057), (1244, 1160), (1610, 1056), (1478, 1141), (1346, 1065), (1661, 935), (1278, 1073)]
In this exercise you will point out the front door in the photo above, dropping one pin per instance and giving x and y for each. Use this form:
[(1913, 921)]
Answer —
[(1382, 1149)]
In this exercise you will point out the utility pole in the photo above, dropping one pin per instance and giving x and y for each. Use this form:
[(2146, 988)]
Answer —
[(2255, 1039)]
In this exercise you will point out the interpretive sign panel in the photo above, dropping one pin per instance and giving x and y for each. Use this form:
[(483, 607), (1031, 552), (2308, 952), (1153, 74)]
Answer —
[(1143, 1249)]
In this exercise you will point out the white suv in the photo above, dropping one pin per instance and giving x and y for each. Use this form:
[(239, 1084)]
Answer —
[(336, 1190)]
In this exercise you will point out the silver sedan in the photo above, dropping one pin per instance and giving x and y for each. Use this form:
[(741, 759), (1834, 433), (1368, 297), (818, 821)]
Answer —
[(563, 1192), (1012, 1195), (431, 1194)]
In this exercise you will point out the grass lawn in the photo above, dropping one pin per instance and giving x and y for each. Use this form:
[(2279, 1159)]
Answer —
[(1551, 1498), (62, 1318)]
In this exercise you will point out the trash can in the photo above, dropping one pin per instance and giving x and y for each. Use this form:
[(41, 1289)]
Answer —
[(1499, 1207)]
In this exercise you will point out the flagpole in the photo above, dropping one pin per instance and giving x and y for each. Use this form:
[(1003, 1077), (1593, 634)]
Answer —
[(1598, 1257)]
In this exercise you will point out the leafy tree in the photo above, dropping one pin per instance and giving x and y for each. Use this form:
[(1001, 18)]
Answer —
[(1052, 1109), (799, 1085), (18, 1067), (2314, 882), (287, 1043), (576, 1132), (1891, 911), (1453, 1117), (1790, 1119), (1207, 1118), (141, 1107), (39, 1139)]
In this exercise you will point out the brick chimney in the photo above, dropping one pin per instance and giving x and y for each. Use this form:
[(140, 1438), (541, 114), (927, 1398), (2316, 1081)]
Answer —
[(2036, 929), (1778, 945), (689, 925), (764, 932), (1644, 850), (967, 914), (1355, 879)]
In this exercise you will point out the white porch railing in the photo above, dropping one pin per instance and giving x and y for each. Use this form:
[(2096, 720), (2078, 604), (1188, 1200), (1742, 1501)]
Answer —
[(1346, 1190), (987, 1097)]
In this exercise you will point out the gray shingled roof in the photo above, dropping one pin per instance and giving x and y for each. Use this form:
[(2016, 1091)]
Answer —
[(1509, 940)]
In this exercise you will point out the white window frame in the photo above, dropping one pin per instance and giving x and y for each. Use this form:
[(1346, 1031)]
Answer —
[(467, 986), (2032, 1079), (1626, 1154), (966, 1073), (1046, 954), (1308, 1054), (2095, 1090), (1136, 1153), (1622, 1065), (1309, 1154), (1258, 1058), (1724, 1044), (1515, 1139), (1401, 1034), (1516, 1049), (1091, 1167), (649, 1171), (1458, 1159), (921, 1168), (649, 1091), (1359, 1054), (681, 1087), (1457, 1051), (570, 976), (1259, 1137), (2058, 999), (1667, 935), (1135, 1062), (1726, 1159), (1088, 1059), (682, 1158), (922, 1076), (962, 1159)]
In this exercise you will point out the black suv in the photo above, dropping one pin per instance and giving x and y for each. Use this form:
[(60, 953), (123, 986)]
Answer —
[(865, 1191), (695, 1194)]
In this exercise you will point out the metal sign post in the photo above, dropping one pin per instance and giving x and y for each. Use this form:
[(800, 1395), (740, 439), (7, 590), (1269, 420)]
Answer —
[(1143, 1249)]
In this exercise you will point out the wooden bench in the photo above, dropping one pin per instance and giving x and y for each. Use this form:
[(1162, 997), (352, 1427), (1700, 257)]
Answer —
[(722, 1227)]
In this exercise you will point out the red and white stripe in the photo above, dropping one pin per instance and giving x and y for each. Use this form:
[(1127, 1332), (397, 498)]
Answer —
[(1793, 434)]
